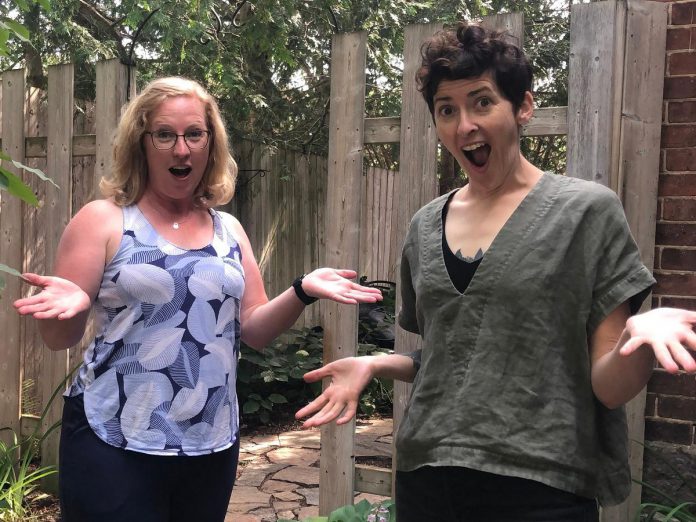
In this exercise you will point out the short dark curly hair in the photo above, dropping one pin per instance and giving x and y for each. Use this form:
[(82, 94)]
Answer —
[(468, 52)]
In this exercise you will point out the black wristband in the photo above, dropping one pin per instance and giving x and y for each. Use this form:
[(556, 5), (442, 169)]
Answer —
[(299, 291)]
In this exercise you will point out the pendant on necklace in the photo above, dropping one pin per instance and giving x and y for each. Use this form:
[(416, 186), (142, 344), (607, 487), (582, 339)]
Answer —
[(175, 225)]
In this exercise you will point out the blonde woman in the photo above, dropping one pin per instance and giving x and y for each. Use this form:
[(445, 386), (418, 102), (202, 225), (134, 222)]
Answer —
[(150, 424)]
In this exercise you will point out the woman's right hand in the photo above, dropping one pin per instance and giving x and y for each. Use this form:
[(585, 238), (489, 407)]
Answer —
[(349, 376), (58, 299)]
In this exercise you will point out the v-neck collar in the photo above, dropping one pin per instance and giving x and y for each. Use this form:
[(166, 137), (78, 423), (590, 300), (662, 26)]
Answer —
[(496, 258)]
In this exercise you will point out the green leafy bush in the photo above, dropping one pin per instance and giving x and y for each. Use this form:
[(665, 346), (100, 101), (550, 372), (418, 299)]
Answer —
[(363, 511), (274, 377), (270, 382)]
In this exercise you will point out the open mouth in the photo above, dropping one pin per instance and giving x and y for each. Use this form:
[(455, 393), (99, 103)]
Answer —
[(180, 172), (477, 153)]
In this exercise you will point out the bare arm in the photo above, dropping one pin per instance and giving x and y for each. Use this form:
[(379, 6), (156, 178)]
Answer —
[(263, 320), (624, 356), (63, 303), (349, 377)]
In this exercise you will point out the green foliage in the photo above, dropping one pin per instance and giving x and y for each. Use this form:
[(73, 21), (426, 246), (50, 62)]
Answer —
[(273, 377), (363, 511), (267, 62)]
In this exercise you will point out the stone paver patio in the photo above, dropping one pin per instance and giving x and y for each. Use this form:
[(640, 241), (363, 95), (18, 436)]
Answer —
[(278, 476)]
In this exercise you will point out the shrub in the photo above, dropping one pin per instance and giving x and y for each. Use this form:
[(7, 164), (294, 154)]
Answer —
[(271, 381)]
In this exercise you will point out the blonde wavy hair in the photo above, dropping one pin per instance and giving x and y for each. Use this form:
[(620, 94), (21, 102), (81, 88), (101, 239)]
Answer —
[(128, 178)]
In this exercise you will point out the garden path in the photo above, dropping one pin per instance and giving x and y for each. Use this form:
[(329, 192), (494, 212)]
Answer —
[(278, 475)]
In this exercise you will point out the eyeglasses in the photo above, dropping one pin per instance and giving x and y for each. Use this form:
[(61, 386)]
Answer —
[(194, 139)]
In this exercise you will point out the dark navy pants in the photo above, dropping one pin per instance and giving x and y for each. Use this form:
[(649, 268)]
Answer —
[(103, 483), (466, 495)]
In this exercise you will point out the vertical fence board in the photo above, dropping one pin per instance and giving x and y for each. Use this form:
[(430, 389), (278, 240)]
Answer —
[(639, 166), (113, 91), (58, 212), (346, 121), (418, 180), (593, 88), (84, 185), (513, 23), (368, 226), (34, 255), (11, 250), (389, 213)]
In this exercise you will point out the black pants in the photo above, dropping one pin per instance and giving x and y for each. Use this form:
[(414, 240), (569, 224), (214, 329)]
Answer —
[(102, 483), (460, 494)]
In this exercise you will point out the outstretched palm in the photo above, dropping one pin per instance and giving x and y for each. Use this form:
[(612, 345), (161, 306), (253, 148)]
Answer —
[(335, 284), (58, 299)]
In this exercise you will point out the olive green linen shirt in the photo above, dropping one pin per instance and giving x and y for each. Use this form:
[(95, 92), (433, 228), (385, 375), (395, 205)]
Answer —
[(504, 383)]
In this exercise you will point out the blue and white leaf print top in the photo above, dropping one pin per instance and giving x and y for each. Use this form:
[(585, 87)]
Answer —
[(160, 375)]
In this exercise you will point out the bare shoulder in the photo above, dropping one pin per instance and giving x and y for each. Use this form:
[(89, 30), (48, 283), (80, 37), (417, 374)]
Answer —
[(103, 209), (96, 226)]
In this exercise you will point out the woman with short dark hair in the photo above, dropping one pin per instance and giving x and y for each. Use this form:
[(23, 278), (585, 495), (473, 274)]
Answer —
[(520, 284)]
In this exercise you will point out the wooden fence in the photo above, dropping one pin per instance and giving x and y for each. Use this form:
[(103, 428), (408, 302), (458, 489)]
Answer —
[(281, 201), (613, 125)]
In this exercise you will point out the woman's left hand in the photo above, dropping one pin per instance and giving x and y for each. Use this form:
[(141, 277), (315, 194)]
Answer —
[(335, 284), (669, 332)]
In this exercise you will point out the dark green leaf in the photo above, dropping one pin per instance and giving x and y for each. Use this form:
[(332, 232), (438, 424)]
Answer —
[(17, 187), (277, 398), (251, 407)]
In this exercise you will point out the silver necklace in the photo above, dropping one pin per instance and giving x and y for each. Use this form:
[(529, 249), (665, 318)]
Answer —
[(176, 224)]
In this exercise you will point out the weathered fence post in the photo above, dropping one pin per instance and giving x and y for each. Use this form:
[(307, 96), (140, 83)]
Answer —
[(615, 83), (13, 94), (417, 184), (343, 197), (638, 170)]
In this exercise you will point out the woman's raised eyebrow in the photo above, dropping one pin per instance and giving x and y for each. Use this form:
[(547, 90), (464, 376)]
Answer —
[(479, 91)]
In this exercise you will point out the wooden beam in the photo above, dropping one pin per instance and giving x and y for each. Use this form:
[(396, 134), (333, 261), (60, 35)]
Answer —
[(58, 210), (382, 130), (547, 121), (639, 167), (13, 95), (82, 145), (371, 479), (343, 197)]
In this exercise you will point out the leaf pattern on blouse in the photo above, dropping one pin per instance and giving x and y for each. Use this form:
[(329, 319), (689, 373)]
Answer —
[(160, 375)]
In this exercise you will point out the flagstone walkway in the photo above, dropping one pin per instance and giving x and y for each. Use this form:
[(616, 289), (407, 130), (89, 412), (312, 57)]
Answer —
[(278, 475)]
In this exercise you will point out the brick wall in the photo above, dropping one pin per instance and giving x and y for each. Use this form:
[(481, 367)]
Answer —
[(671, 406)]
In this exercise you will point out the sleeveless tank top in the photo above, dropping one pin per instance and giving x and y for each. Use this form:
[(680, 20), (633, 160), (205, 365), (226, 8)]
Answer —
[(160, 375)]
